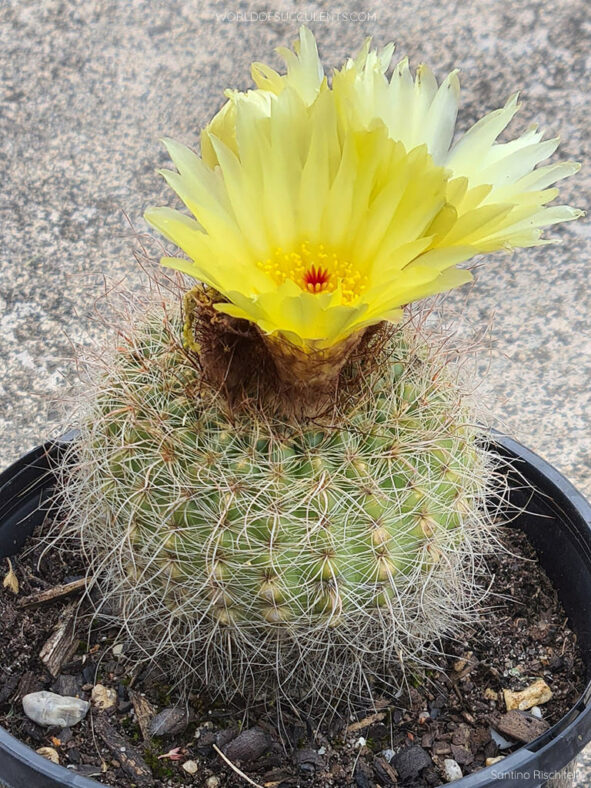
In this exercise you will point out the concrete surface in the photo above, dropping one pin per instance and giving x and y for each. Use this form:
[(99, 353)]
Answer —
[(87, 87)]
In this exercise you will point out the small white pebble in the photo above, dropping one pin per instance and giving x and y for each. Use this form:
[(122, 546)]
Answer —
[(212, 782), (122, 749), (103, 697), (49, 709), (361, 742), (387, 755), (451, 770), (536, 711), (190, 767), (534, 695), (321, 750), (117, 650), (49, 753), (499, 740)]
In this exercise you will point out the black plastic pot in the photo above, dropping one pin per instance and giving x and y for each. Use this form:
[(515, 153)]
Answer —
[(557, 522)]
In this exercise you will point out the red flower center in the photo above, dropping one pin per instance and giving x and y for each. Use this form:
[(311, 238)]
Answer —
[(315, 269), (316, 279)]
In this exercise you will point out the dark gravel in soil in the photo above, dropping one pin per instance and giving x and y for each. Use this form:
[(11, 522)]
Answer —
[(453, 714)]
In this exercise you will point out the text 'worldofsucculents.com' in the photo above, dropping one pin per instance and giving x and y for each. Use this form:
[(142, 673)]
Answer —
[(302, 17)]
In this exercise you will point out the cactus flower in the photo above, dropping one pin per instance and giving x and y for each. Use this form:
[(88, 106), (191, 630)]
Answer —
[(319, 210)]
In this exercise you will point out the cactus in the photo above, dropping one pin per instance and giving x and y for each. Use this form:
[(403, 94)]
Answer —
[(259, 552), (281, 486)]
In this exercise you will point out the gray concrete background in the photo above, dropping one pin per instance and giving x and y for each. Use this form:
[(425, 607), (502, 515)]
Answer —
[(87, 87)]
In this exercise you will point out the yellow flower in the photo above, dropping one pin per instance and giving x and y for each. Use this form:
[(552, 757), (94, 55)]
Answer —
[(495, 197), (322, 210)]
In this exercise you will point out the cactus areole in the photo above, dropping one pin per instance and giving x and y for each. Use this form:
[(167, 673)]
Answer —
[(279, 482)]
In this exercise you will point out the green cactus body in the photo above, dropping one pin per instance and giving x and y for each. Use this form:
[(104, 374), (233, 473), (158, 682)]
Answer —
[(259, 553)]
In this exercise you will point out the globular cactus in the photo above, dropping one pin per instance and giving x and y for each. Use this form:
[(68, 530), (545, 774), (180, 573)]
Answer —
[(277, 492), (261, 553)]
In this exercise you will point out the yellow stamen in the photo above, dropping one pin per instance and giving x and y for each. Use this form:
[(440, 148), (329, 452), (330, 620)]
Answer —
[(316, 270)]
